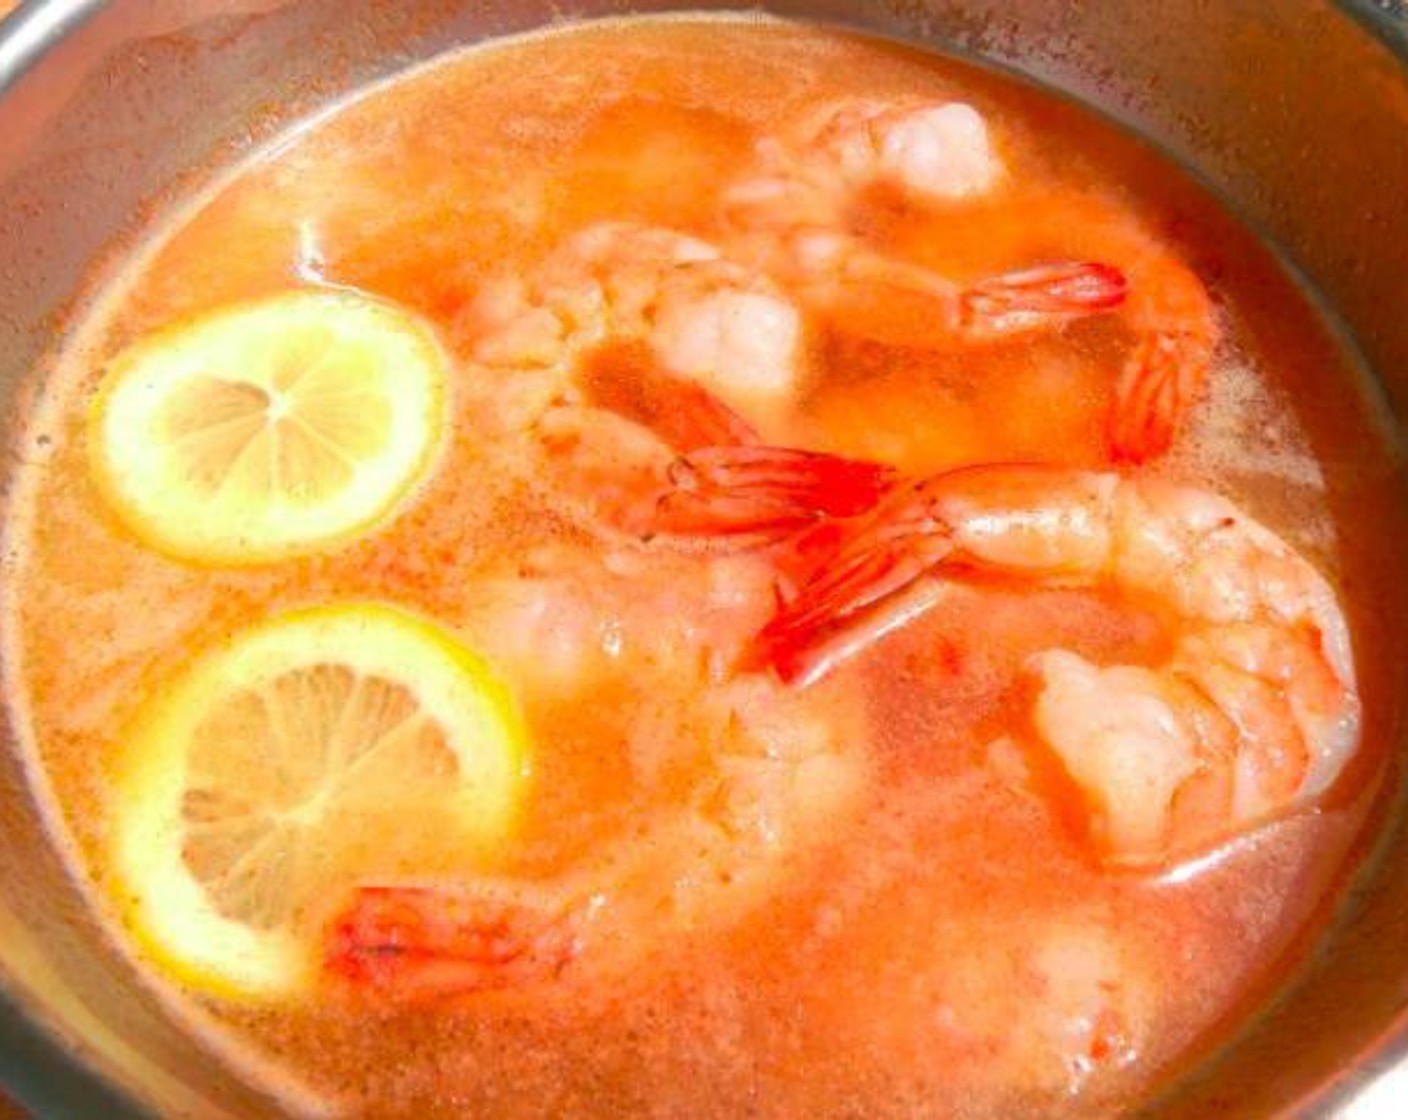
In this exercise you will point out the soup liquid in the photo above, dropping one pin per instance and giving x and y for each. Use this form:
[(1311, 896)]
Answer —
[(912, 961)]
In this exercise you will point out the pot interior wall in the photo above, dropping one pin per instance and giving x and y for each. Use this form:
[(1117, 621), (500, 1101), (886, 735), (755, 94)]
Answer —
[(1292, 110)]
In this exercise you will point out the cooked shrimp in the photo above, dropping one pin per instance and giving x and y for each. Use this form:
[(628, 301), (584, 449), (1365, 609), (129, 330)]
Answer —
[(1062, 1005), (1167, 311), (561, 617), (794, 217), (742, 778), (708, 321), (1169, 315), (780, 778), (722, 340), (1056, 1001), (1253, 711)]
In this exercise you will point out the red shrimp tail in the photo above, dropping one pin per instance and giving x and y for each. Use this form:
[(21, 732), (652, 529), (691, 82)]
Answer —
[(802, 659), (702, 515), (1036, 296), (854, 595), (417, 944), (826, 484), (1155, 392), (767, 492)]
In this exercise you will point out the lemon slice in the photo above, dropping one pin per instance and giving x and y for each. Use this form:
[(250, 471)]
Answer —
[(270, 429), (287, 764)]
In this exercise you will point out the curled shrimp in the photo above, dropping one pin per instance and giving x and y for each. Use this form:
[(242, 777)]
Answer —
[(1251, 712), (781, 775), (794, 217), (715, 785), (1169, 316), (722, 344), (1062, 1003), (1166, 310), (709, 323)]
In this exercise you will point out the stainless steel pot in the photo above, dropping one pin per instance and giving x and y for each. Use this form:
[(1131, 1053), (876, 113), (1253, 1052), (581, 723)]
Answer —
[(1296, 111)]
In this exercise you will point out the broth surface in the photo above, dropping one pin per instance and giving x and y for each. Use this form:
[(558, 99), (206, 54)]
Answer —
[(910, 956)]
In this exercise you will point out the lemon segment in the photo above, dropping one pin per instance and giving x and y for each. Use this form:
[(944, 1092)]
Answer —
[(271, 429), (287, 764)]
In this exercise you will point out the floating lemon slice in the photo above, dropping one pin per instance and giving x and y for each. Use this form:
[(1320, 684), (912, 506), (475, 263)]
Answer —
[(270, 429), (293, 761)]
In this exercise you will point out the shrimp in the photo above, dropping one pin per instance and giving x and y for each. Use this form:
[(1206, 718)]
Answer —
[(1167, 312), (1169, 315), (726, 782), (1062, 1004), (708, 321), (780, 778), (793, 215), (1251, 713), (723, 344)]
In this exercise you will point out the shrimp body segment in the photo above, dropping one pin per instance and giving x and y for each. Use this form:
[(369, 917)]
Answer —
[(935, 151), (939, 150), (1251, 712)]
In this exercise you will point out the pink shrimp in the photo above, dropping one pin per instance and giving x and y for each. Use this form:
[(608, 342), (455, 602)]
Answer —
[(793, 217), (718, 340), (682, 793), (779, 770), (708, 322), (1253, 713)]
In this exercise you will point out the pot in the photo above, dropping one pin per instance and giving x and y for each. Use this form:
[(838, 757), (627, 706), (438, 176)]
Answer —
[(1296, 112)]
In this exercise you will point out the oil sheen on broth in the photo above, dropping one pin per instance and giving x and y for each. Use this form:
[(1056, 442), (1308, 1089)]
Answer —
[(879, 906)]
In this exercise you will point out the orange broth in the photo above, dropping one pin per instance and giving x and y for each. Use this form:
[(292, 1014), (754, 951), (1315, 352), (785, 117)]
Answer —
[(877, 979)]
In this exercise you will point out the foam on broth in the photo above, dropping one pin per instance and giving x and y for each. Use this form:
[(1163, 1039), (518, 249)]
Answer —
[(894, 971)]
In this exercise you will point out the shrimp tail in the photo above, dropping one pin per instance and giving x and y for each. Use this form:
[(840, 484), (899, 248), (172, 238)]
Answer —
[(854, 587), (1065, 290), (766, 492), (1157, 387), (802, 658), (417, 944)]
